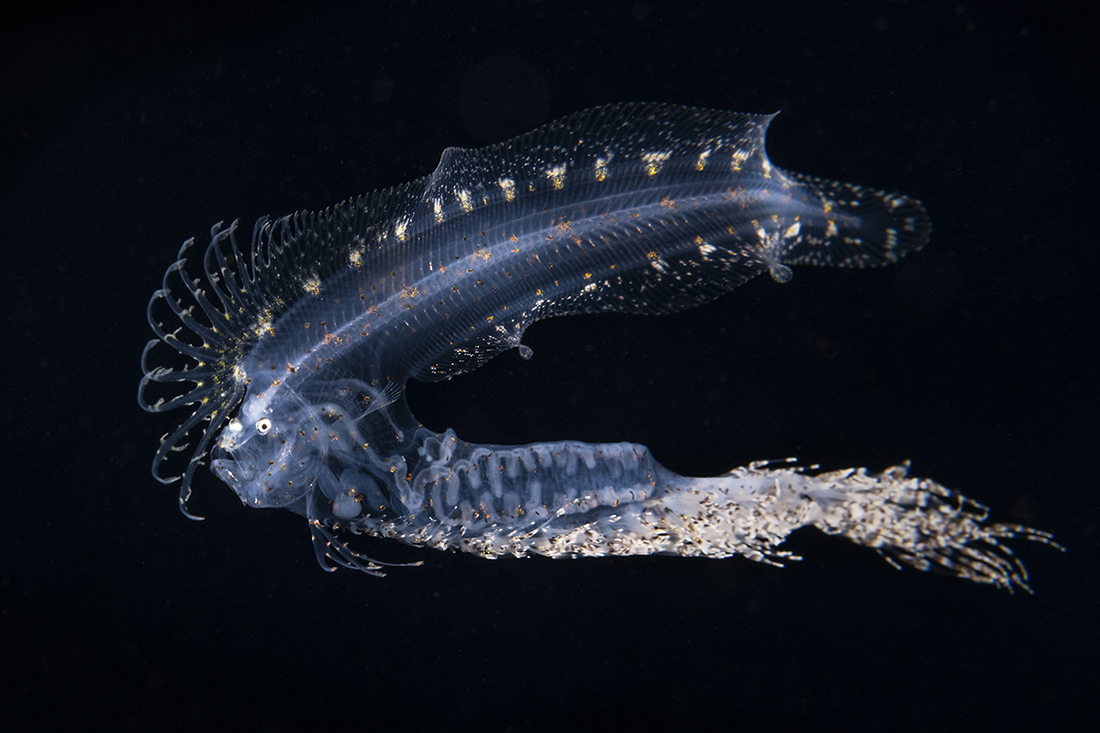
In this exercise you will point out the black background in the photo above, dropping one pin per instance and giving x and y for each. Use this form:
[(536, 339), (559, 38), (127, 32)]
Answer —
[(126, 133)]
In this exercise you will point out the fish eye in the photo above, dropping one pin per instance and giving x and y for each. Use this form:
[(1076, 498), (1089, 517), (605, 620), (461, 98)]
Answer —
[(263, 426)]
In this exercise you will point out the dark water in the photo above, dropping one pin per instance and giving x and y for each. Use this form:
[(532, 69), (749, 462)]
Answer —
[(976, 358)]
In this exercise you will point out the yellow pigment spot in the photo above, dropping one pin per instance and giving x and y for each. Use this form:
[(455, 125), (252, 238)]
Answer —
[(557, 176), (701, 161), (656, 262), (654, 161), (464, 201), (601, 169), (400, 230), (509, 187), (739, 157), (264, 326)]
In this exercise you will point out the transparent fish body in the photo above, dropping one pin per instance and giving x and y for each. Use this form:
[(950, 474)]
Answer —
[(298, 347)]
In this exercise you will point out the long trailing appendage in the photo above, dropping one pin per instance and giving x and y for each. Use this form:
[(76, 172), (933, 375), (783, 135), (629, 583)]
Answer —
[(922, 524), (572, 499), (910, 521)]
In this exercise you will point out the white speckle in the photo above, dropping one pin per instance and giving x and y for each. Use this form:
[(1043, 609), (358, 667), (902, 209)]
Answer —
[(464, 200), (601, 168), (701, 162), (793, 230), (654, 161), (657, 263), (401, 228), (263, 326), (437, 207), (739, 157), (557, 175), (706, 249), (891, 237)]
